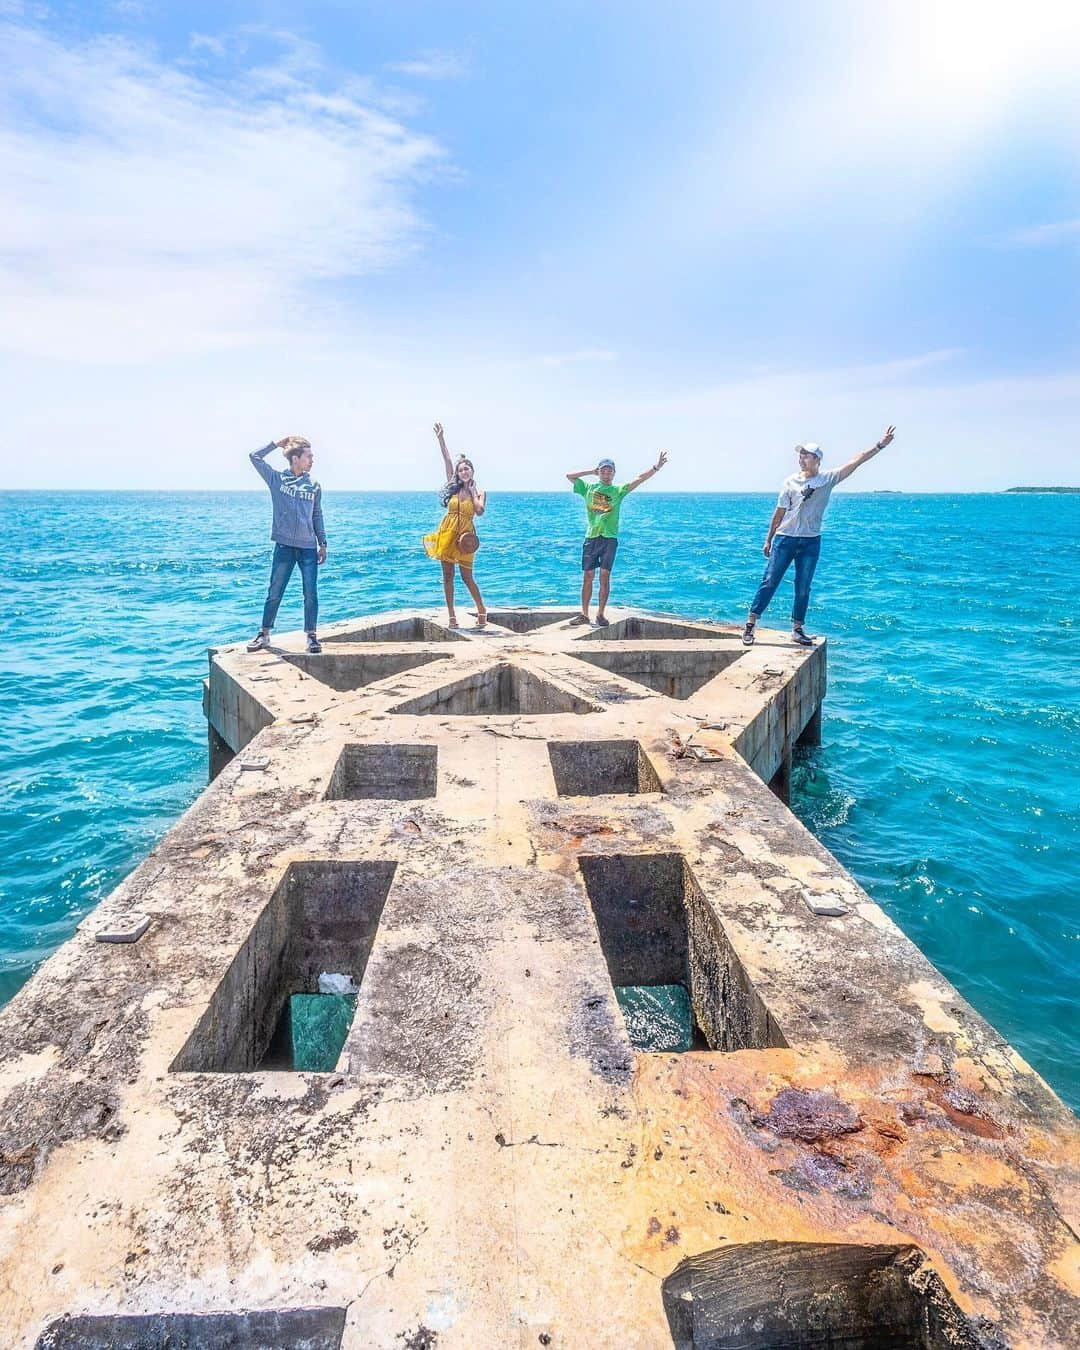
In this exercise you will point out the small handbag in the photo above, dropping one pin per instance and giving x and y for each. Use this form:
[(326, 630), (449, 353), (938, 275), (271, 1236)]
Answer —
[(468, 541)]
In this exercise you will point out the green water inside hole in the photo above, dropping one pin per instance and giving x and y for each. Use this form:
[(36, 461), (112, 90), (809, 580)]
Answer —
[(658, 1017), (310, 1033)]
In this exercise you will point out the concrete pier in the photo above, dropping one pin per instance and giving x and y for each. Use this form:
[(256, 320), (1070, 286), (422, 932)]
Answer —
[(491, 834)]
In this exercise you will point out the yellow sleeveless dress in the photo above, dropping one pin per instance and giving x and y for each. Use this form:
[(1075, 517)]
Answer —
[(443, 545)]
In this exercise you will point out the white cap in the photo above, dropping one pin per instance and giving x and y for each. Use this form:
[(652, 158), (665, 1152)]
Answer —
[(811, 448)]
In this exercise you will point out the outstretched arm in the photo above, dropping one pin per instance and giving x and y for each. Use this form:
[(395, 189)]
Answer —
[(849, 468), (445, 452), (643, 477), (581, 473)]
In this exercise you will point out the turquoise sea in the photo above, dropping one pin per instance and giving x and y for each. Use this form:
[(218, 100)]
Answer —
[(948, 781)]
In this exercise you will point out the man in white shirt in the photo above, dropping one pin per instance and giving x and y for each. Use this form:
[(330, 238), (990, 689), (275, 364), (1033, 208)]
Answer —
[(795, 533)]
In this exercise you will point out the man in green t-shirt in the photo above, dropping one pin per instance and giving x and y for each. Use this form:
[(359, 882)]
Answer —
[(603, 502)]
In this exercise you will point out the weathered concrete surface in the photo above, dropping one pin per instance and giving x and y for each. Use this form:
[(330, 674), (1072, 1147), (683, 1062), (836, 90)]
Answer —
[(492, 1163)]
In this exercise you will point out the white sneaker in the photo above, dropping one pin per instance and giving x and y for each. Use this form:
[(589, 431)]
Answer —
[(259, 643)]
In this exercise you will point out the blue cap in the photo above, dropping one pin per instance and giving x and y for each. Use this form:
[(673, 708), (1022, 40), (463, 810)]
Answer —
[(606, 464)]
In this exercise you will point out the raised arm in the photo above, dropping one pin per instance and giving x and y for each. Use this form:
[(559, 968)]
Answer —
[(643, 477), (849, 468), (258, 458), (581, 473), (445, 453)]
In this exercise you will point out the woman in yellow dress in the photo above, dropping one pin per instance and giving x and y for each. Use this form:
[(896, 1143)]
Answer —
[(454, 543)]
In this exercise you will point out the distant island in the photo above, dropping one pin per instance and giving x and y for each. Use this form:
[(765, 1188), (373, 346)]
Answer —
[(1043, 489)]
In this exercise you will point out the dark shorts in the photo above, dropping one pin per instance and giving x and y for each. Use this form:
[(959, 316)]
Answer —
[(598, 553)]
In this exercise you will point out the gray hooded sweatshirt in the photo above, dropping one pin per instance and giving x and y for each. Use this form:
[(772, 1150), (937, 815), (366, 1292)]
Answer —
[(297, 502)]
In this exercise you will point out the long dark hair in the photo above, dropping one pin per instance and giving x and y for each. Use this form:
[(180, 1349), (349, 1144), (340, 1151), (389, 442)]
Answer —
[(454, 486)]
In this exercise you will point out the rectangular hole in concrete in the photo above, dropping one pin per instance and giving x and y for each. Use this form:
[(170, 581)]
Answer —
[(385, 772), (400, 630), (265, 1329), (657, 929), (674, 674), (323, 916), (528, 620), (353, 670), (637, 629), (595, 768), (501, 689), (846, 1296)]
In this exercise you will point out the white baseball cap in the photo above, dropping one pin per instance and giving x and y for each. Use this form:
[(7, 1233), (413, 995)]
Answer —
[(811, 448)]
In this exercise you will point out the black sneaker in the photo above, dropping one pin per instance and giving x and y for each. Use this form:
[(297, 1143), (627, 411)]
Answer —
[(602, 622), (748, 635), (314, 646), (259, 643), (801, 637), (578, 620)]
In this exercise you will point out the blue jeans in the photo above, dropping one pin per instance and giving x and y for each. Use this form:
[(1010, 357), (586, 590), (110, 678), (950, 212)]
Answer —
[(787, 549), (285, 559)]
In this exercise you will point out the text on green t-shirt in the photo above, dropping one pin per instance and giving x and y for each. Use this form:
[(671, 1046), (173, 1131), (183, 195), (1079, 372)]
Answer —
[(602, 503)]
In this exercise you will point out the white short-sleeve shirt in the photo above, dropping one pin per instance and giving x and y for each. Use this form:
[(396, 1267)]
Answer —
[(804, 501)]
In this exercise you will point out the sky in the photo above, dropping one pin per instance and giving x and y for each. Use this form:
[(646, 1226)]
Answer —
[(565, 230)]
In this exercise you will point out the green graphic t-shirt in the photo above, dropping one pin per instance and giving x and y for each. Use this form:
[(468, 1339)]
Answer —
[(602, 507)]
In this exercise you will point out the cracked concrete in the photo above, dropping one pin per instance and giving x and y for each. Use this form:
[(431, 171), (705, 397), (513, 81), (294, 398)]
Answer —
[(492, 1163)]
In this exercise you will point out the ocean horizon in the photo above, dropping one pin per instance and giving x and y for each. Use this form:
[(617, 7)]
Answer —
[(946, 781), (1064, 491)]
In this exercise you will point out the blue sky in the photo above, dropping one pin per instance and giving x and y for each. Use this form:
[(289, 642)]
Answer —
[(565, 230)]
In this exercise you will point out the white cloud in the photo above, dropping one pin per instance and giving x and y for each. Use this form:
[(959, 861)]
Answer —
[(368, 406), (207, 226), (149, 210), (876, 113), (584, 354), (1043, 236), (130, 9), (209, 42), (432, 65)]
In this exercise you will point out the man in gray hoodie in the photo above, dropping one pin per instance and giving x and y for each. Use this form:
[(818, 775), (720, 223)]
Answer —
[(297, 532)]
